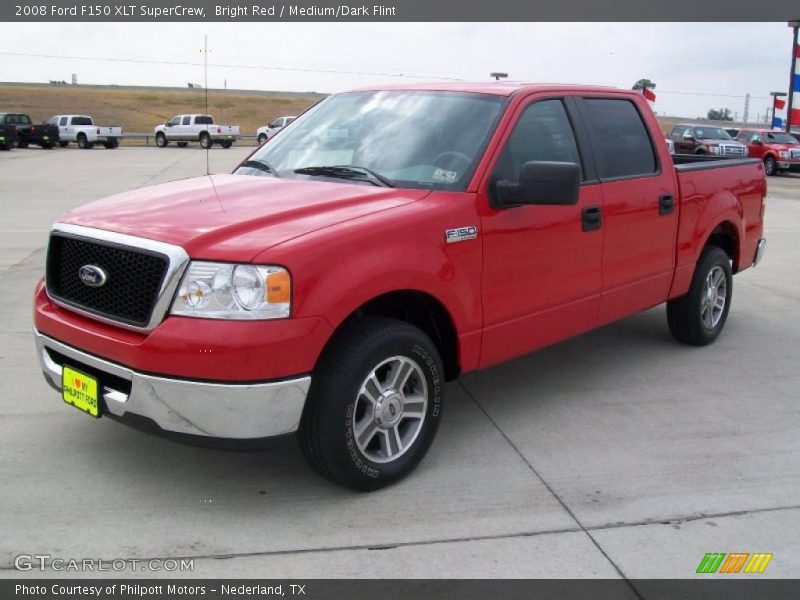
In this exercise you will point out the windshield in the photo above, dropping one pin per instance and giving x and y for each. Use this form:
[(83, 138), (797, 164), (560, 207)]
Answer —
[(416, 139), (711, 133), (779, 138)]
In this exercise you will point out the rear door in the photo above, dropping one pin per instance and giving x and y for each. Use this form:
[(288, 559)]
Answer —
[(640, 211), (542, 264)]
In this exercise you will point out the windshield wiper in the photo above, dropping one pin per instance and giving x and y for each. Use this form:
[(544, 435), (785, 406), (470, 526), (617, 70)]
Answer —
[(353, 172), (261, 165)]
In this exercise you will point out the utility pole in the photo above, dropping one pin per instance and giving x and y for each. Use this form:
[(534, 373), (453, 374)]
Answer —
[(746, 107)]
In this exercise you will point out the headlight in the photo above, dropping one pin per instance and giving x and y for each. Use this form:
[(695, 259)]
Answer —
[(784, 154), (226, 291), (713, 149)]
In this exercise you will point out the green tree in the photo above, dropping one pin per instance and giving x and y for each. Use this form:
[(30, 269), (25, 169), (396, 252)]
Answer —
[(643, 84), (719, 114)]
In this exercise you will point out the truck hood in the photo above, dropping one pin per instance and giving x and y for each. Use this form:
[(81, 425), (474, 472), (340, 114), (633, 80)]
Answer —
[(235, 217)]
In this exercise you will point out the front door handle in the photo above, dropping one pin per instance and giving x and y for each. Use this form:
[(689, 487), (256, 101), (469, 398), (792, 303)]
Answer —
[(666, 204), (591, 218)]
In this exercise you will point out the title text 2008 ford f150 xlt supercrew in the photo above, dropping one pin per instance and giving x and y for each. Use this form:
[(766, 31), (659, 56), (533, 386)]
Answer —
[(346, 270)]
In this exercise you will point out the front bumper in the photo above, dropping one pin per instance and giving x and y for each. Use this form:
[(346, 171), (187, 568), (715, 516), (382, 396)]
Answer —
[(215, 410), (786, 165)]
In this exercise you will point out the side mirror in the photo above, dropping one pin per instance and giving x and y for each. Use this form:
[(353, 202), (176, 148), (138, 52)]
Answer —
[(542, 182), (757, 142)]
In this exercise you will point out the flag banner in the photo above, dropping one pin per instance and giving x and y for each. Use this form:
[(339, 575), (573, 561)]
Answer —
[(649, 94), (797, 51), (794, 119), (780, 104), (796, 80), (777, 122)]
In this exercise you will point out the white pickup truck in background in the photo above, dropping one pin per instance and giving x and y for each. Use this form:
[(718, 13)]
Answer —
[(82, 130), (265, 133), (183, 129)]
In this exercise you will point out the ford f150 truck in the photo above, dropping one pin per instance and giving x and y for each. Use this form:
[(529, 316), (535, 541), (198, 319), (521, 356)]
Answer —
[(8, 136), (268, 131), (28, 133), (350, 267), (195, 128), (706, 139), (80, 129), (779, 150)]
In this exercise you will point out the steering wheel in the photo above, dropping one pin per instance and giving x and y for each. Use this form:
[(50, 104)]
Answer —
[(455, 154)]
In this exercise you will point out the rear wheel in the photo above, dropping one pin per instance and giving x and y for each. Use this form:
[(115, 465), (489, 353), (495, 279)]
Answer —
[(698, 317), (83, 143), (161, 140), (205, 140), (770, 166), (374, 404)]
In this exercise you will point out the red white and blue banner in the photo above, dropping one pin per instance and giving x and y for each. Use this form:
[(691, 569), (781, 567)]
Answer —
[(794, 117)]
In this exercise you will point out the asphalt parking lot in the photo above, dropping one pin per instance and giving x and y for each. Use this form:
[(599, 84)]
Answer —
[(620, 453)]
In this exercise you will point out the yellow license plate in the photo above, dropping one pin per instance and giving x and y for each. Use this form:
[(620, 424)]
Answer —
[(80, 390)]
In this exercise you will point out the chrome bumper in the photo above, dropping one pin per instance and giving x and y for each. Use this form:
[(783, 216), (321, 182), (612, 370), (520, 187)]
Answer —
[(762, 244), (231, 411)]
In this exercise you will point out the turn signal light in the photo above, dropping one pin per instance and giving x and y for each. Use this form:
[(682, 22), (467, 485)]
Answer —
[(279, 287)]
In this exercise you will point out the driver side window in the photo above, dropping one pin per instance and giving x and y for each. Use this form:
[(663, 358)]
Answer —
[(174, 121), (542, 133)]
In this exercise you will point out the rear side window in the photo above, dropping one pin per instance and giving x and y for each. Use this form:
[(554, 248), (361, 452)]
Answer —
[(23, 119), (186, 121), (81, 121), (11, 119), (203, 120), (623, 144)]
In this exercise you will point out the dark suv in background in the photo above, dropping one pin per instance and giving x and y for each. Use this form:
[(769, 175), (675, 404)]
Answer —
[(705, 139)]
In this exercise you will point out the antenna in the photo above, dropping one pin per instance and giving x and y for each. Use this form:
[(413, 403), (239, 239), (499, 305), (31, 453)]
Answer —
[(205, 86)]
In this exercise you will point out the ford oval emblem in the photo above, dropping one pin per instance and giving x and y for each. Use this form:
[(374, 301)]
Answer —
[(92, 275)]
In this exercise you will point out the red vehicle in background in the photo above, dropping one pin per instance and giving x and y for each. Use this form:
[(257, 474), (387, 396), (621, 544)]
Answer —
[(779, 150)]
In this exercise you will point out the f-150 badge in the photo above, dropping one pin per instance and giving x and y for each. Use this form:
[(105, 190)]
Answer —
[(461, 234)]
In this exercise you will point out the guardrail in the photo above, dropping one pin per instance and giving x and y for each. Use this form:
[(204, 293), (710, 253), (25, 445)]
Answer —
[(149, 138)]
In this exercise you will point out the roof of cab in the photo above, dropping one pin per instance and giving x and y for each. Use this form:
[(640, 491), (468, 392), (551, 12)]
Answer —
[(497, 88)]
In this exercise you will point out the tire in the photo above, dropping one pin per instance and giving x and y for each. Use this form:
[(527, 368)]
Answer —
[(111, 145), (338, 405), (83, 143), (226, 145), (770, 166), (183, 144), (205, 141), (262, 139), (161, 140), (689, 317), (63, 144), (47, 145)]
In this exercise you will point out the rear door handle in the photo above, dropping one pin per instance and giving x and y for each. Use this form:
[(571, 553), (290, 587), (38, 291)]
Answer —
[(666, 204), (591, 218)]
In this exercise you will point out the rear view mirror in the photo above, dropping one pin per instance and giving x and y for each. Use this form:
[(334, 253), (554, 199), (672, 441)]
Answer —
[(542, 182)]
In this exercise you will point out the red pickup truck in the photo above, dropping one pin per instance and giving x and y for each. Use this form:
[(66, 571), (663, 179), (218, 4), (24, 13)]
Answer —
[(388, 241), (779, 150)]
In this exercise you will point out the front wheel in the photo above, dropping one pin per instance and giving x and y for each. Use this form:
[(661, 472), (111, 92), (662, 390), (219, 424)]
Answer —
[(698, 317), (374, 404), (262, 139), (161, 140), (770, 166)]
